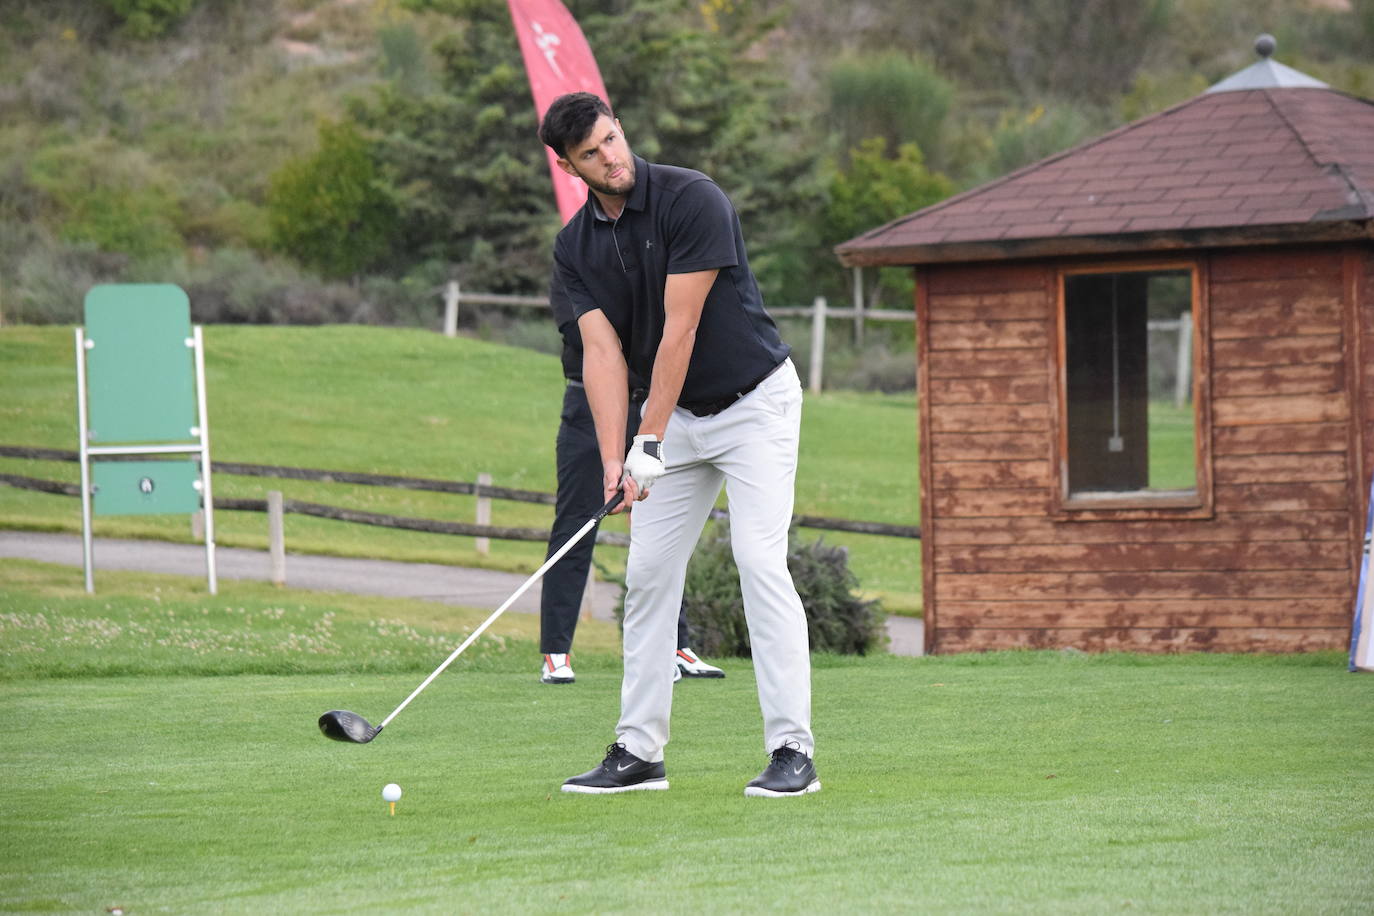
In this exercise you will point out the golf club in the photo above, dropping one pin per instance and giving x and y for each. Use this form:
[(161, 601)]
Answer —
[(342, 725)]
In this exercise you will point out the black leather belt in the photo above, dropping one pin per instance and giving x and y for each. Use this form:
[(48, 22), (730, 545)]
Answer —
[(711, 408)]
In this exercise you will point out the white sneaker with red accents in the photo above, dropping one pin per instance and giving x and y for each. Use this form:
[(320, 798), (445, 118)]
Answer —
[(557, 669), (690, 665)]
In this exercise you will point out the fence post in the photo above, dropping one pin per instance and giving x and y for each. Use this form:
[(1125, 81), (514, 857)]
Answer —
[(859, 307), (198, 525), (483, 512), (817, 343), (276, 536), (451, 309), (1183, 376)]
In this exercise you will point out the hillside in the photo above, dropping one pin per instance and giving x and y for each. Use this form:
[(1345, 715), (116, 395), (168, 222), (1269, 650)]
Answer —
[(140, 139)]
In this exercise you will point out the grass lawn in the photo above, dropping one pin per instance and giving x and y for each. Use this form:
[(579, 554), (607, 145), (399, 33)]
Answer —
[(416, 404), (162, 756)]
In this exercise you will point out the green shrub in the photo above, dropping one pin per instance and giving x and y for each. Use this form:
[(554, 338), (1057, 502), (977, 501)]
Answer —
[(53, 278), (327, 210), (149, 18), (837, 619)]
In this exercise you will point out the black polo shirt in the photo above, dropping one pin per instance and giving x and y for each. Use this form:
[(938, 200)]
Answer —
[(572, 337), (675, 221)]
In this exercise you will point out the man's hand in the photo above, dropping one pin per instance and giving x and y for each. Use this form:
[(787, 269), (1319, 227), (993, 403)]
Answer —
[(613, 481), (644, 464)]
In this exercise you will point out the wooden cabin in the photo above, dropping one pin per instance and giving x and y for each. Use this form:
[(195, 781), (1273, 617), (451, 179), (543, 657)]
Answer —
[(1077, 491)]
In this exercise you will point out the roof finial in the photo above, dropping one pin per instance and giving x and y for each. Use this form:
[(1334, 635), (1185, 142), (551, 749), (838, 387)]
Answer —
[(1264, 45)]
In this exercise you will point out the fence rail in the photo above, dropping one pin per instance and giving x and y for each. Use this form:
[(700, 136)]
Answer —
[(819, 313), (479, 490)]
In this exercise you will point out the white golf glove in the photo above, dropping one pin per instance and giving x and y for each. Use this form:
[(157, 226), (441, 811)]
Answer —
[(644, 462)]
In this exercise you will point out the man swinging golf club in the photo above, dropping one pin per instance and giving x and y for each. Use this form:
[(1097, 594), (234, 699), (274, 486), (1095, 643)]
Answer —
[(655, 267)]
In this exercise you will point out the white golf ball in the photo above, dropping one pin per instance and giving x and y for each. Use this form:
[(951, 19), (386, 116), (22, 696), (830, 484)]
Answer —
[(391, 792)]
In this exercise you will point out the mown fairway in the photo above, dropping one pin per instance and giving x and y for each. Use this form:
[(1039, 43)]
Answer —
[(414, 403), (162, 756)]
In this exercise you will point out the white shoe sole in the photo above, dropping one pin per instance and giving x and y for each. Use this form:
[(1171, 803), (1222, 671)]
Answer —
[(653, 785), (688, 672), (761, 792), (556, 680)]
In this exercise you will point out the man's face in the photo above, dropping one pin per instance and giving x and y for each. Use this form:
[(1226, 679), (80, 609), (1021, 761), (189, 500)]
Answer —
[(602, 160)]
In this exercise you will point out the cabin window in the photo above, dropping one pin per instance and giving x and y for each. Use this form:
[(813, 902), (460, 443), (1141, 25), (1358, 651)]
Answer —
[(1129, 415)]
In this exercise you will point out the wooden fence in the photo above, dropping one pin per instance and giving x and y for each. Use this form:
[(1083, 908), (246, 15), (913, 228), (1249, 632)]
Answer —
[(482, 490), (819, 312)]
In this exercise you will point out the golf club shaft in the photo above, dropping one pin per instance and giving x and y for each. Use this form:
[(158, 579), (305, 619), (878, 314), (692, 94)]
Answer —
[(538, 574)]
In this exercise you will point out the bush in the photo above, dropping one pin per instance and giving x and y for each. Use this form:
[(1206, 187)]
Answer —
[(149, 18), (837, 620), (54, 277)]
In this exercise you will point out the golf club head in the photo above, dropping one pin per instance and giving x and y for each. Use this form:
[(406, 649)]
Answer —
[(342, 725)]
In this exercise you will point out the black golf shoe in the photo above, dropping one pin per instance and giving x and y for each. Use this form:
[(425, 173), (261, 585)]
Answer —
[(621, 771), (789, 773)]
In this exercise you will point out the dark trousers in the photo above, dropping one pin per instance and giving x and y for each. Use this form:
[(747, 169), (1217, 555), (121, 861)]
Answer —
[(579, 498)]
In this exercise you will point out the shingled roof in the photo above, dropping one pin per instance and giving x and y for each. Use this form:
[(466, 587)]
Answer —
[(1287, 161)]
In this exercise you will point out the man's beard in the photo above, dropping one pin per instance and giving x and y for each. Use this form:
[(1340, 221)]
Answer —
[(603, 188)]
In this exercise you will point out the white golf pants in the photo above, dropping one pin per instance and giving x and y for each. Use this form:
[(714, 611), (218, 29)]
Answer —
[(750, 447)]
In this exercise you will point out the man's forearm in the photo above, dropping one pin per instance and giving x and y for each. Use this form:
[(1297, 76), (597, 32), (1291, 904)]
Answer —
[(607, 383), (684, 296), (670, 369)]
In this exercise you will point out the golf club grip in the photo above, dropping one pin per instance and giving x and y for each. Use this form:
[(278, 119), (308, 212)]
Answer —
[(607, 509), (538, 574)]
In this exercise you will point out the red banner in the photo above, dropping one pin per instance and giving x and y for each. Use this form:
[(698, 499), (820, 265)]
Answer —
[(558, 60)]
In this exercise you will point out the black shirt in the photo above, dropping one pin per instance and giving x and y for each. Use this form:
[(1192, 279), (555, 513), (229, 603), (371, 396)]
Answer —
[(675, 221)]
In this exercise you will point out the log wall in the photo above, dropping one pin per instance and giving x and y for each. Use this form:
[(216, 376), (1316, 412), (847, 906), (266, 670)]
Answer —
[(1271, 569)]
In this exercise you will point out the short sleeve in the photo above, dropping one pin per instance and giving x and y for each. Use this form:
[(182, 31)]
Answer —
[(701, 230), (566, 289), (563, 314)]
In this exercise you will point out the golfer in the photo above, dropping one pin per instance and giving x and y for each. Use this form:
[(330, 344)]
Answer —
[(655, 268)]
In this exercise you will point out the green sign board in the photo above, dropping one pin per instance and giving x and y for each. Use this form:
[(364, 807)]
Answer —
[(146, 487), (140, 364)]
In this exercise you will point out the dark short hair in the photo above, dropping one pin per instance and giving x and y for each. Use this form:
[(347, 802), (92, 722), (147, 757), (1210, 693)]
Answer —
[(570, 119)]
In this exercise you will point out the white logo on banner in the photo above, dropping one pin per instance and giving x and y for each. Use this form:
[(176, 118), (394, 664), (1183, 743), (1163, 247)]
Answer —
[(548, 43)]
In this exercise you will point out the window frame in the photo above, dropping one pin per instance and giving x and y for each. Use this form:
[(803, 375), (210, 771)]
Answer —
[(1136, 505)]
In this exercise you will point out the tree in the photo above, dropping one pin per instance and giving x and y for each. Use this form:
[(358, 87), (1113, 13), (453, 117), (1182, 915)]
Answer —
[(149, 18), (327, 210), (876, 189), (895, 96), (469, 174)]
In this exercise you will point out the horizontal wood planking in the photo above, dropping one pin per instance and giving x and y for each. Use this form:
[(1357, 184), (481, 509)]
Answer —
[(1318, 378), (985, 363), (1000, 446), (974, 474), (1269, 571), (1301, 263), (1005, 306), (1266, 411), (1280, 351), (985, 502), (1235, 469), (1015, 389), (1197, 585), (1239, 528), (1279, 439), (991, 418), (988, 335), (995, 279), (1273, 308), (1222, 612), (1280, 497), (1164, 640), (1242, 557)]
